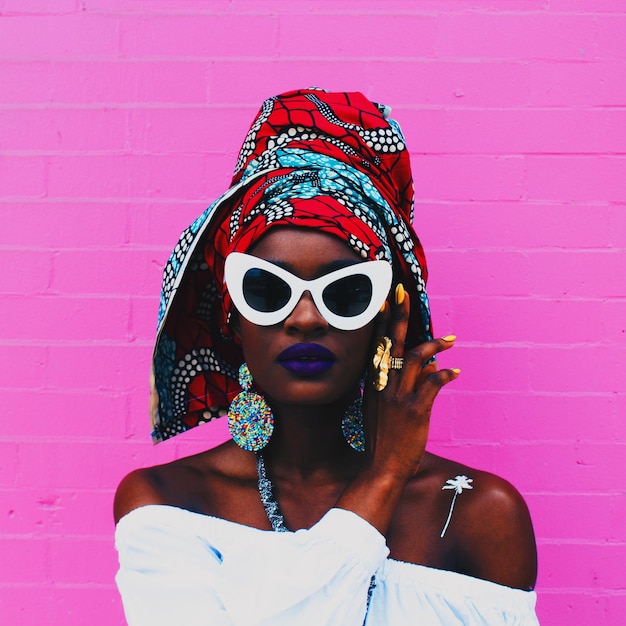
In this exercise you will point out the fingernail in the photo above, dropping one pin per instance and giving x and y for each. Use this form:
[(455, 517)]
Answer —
[(456, 370), (399, 294), (383, 307), (449, 338)]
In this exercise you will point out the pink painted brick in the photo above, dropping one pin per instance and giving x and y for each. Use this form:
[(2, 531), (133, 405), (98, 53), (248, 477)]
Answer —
[(598, 566), (70, 605), (156, 7), (24, 560), (617, 223), (105, 82), (519, 225), (142, 323), (509, 463), (571, 606), (331, 7), (576, 178), (405, 35), (22, 176), (79, 464), (453, 177), (578, 368), (62, 318), (615, 606), (522, 319), (38, 414), (160, 223), (514, 130), (9, 453), (23, 365), (26, 7), (490, 83), (554, 521), (97, 366), (514, 35), (211, 35), (46, 512), (558, 468), (148, 176), (258, 79), (617, 419), (478, 273), (25, 271), (576, 273), (500, 369), (544, 468), (537, 417), (574, 84), (58, 36), (614, 321), (583, 6), (29, 224), (198, 130), (55, 130), (616, 518), (83, 560), (610, 40), (116, 272)]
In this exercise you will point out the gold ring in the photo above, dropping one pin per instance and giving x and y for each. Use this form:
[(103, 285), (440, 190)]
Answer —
[(383, 362), (396, 362)]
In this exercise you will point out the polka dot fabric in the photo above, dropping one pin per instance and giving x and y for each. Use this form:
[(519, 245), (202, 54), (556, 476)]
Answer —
[(313, 159)]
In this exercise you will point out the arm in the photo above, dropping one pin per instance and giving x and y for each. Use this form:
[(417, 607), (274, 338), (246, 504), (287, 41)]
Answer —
[(397, 421)]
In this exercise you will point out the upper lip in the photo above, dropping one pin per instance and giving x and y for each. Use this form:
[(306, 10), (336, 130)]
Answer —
[(311, 351)]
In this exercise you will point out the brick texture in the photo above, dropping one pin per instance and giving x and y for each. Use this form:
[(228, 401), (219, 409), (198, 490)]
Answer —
[(120, 121)]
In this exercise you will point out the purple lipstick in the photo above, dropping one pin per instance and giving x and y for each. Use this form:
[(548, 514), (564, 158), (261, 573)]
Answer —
[(306, 359)]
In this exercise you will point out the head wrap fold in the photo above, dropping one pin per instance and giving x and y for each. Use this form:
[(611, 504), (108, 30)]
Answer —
[(330, 161)]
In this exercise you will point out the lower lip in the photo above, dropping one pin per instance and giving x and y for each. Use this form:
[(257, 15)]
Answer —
[(307, 367)]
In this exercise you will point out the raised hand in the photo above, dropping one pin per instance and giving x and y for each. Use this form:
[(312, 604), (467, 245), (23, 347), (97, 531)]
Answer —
[(397, 418)]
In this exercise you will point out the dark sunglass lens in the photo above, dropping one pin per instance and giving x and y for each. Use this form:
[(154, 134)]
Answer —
[(264, 291), (349, 296)]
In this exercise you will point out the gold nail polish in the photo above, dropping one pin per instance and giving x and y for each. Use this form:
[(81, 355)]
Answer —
[(449, 338), (399, 294), (456, 370), (383, 307)]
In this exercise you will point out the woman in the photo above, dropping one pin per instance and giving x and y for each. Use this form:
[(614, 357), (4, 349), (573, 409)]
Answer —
[(296, 304)]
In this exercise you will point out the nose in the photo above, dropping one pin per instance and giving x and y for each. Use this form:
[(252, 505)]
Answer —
[(305, 317)]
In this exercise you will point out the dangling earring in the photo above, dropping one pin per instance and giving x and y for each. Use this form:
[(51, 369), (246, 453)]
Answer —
[(250, 419), (352, 422)]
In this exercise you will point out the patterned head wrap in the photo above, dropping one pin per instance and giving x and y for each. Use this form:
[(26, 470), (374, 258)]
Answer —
[(330, 161)]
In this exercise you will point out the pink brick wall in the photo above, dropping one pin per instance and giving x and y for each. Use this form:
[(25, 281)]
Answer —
[(120, 120)]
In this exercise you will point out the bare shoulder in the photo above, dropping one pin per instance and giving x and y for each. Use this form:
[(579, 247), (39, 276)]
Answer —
[(194, 483), (490, 531), (139, 488)]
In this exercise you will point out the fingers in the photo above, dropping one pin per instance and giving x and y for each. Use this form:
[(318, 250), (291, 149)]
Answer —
[(399, 322), (419, 367)]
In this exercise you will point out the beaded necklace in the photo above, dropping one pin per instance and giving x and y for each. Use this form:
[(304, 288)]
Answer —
[(272, 510)]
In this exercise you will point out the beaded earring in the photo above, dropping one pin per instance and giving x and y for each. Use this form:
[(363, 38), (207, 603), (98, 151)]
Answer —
[(250, 419), (352, 425)]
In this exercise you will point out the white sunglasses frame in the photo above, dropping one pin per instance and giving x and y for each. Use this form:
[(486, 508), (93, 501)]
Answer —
[(237, 264)]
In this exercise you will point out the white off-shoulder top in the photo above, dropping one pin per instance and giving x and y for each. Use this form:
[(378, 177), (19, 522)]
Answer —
[(179, 568)]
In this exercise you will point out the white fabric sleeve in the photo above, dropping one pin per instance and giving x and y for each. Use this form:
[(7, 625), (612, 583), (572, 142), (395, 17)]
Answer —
[(165, 575), (181, 568)]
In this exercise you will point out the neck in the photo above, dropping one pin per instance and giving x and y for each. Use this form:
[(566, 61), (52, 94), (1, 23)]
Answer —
[(307, 443)]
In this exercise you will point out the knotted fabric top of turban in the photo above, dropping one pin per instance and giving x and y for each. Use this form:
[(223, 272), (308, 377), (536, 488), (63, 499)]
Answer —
[(330, 161)]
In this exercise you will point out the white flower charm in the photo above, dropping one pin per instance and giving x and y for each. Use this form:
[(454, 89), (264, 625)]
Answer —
[(458, 483)]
